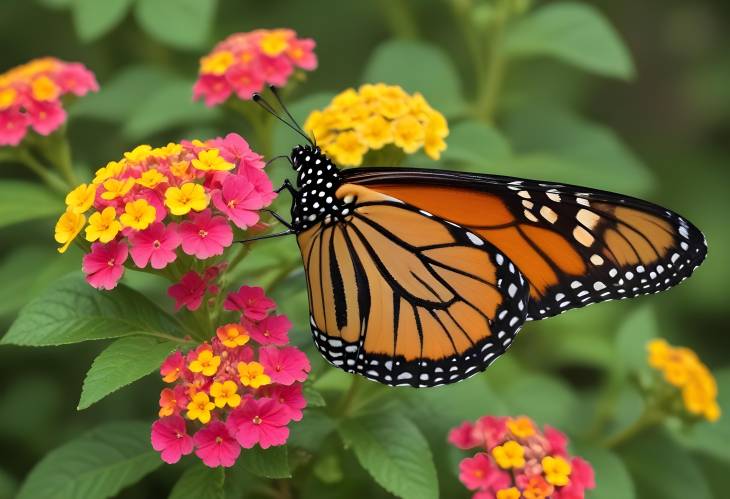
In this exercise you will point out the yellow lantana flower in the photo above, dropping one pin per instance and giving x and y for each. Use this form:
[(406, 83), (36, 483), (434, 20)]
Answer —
[(103, 226), (44, 89), (521, 427), (199, 408), (682, 368), (252, 374), (139, 153), (557, 470), (216, 63), (151, 178), (232, 335), (211, 160), (187, 197), (138, 214), (374, 116), (348, 149), (509, 455), (67, 228), (7, 97), (274, 42), (116, 188), (206, 363), (225, 394), (510, 493), (81, 198), (112, 169)]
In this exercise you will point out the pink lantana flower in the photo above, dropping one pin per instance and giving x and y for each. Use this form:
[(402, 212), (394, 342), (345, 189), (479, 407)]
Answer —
[(261, 421), (234, 149), (156, 245), (239, 200), (188, 292), (215, 446), (213, 88), (205, 235), (251, 301), (490, 430), (290, 397), (581, 478), (170, 439), (463, 436), (46, 117), (261, 184), (172, 367), (273, 330), (13, 126), (557, 441), (284, 365), (479, 472), (245, 80), (104, 266)]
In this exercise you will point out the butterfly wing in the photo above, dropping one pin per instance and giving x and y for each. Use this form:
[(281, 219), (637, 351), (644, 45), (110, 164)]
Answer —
[(574, 245), (406, 298)]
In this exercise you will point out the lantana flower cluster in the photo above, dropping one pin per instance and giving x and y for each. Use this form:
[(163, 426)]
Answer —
[(157, 205), (241, 389), (244, 62), (374, 116), (682, 368), (30, 96), (515, 460)]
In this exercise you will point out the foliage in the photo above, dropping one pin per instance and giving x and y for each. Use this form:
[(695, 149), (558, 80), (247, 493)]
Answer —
[(534, 89)]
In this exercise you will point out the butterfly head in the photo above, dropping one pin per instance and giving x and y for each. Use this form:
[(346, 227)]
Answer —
[(318, 178)]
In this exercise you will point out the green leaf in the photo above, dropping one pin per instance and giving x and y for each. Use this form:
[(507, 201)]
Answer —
[(25, 201), (418, 67), (637, 329), (200, 482), (123, 95), (167, 106), (574, 33), (314, 398), (93, 19), (552, 144), (26, 270), (477, 146), (311, 432), (612, 478), (183, 24), (55, 4), (269, 463), (71, 311), (121, 363), (96, 465), (662, 468), (395, 452)]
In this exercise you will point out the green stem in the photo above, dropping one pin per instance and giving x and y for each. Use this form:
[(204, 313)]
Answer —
[(400, 18), (349, 398), (647, 419), (489, 89), (50, 179)]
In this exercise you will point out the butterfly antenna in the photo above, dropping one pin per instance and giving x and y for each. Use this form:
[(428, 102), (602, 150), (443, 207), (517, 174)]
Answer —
[(269, 109), (275, 91)]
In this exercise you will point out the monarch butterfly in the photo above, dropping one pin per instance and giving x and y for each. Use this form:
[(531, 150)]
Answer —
[(423, 277)]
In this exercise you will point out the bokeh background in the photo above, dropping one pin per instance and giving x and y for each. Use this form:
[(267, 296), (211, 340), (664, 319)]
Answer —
[(660, 130)]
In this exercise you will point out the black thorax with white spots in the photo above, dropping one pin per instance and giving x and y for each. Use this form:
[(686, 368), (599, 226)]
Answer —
[(318, 178)]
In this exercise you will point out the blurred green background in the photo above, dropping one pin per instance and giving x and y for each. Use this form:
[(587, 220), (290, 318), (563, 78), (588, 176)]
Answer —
[(657, 127)]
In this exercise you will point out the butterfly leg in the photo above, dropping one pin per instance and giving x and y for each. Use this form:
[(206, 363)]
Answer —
[(288, 186), (279, 218)]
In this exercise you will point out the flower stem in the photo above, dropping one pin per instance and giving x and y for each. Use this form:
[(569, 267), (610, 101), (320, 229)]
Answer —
[(349, 398), (492, 82), (399, 18), (50, 179), (647, 419)]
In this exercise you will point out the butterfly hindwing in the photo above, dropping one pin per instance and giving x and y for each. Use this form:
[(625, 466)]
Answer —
[(404, 297), (574, 245)]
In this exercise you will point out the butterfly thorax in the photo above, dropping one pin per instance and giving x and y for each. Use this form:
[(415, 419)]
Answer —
[(318, 179)]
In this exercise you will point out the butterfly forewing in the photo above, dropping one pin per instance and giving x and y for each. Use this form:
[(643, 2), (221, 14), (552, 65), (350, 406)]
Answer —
[(404, 297), (574, 245)]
